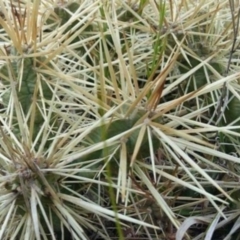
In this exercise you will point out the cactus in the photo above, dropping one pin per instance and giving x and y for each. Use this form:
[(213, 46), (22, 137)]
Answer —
[(106, 102), (28, 90)]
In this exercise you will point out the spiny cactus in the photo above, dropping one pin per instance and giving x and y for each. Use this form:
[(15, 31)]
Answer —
[(100, 119), (43, 191)]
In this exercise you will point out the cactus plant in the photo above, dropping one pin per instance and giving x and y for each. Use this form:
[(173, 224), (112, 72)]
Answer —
[(102, 122)]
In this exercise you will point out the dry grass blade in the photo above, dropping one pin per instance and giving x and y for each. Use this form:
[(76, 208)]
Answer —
[(187, 223)]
